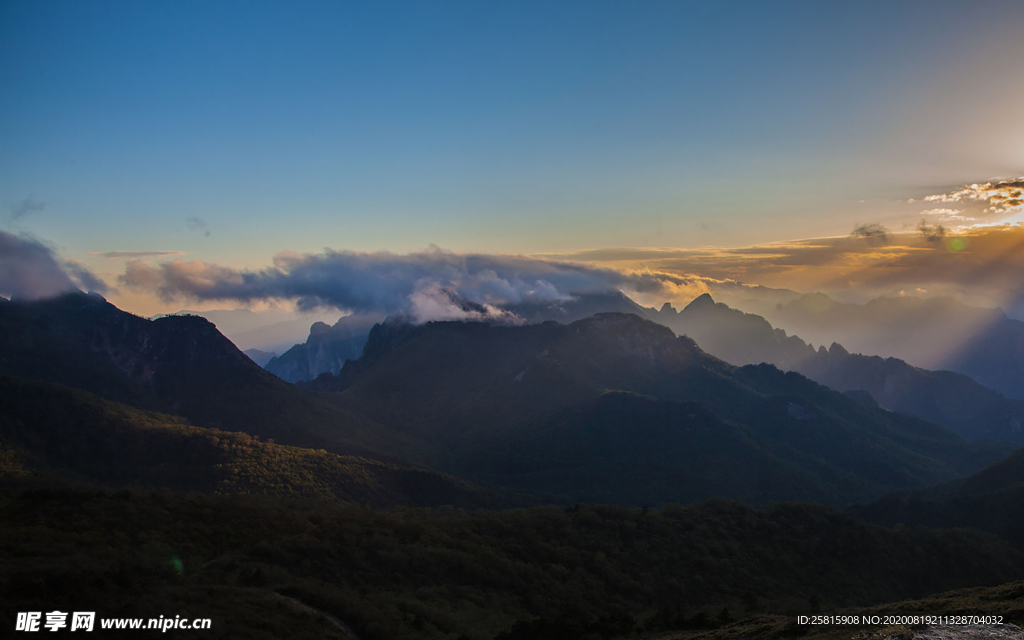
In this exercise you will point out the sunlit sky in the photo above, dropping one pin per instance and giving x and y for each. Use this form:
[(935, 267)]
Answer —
[(228, 132)]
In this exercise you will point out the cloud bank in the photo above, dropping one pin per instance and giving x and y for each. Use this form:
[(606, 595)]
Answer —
[(30, 270), (979, 265), (429, 285)]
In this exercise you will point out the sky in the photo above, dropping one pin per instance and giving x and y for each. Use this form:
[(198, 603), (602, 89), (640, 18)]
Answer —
[(354, 154)]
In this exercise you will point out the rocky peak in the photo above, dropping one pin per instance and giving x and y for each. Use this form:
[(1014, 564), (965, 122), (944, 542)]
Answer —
[(703, 301), (837, 350)]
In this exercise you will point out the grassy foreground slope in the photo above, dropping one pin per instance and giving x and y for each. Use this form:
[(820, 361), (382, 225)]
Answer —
[(545, 572), (1005, 601)]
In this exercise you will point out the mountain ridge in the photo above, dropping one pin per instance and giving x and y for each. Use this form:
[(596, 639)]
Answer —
[(486, 392)]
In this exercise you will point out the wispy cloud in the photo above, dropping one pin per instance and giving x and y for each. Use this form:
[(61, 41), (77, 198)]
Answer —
[(197, 224), (135, 255), (24, 208)]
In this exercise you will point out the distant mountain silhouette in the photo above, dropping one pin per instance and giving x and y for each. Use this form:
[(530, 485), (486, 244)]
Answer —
[(616, 408), (269, 330), (732, 335), (934, 333), (326, 349), (943, 397), (260, 357)]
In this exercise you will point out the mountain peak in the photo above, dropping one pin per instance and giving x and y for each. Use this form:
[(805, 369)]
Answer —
[(318, 328), (703, 301), (837, 350)]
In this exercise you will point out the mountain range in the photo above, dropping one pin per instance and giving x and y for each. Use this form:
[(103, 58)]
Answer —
[(615, 408), (951, 399), (947, 398), (612, 408), (934, 333)]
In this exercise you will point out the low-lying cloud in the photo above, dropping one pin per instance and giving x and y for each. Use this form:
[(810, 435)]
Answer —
[(31, 270), (428, 285)]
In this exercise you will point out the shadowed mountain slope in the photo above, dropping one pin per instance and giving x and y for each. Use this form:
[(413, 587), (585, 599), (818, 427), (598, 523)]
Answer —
[(328, 347), (54, 432), (991, 500), (179, 365), (616, 408)]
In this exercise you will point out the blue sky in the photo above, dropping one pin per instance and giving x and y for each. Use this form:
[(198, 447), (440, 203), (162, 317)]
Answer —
[(500, 127)]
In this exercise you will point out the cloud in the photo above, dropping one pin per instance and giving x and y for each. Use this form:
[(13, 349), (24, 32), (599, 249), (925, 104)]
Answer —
[(85, 278), (979, 265), (997, 199), (428, 285), (135, 255), (24, 208), (945, 213), (873, 232), (931, 233), (30, 270), (197, 224)]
